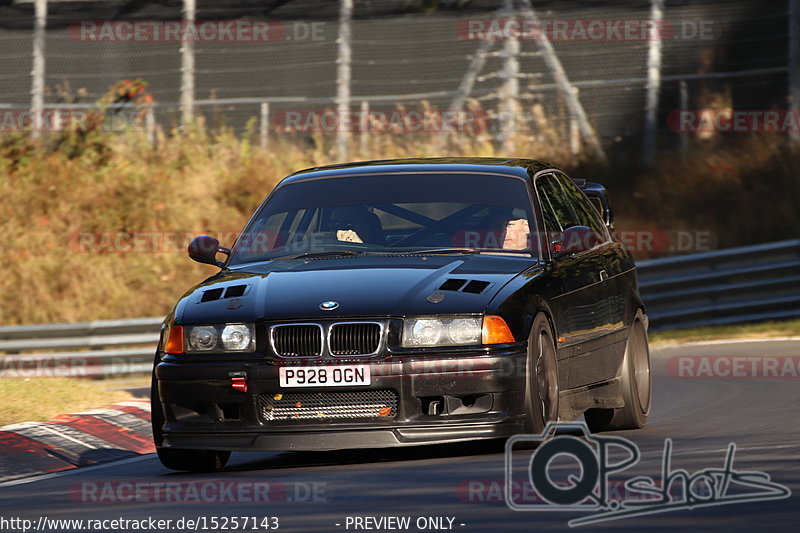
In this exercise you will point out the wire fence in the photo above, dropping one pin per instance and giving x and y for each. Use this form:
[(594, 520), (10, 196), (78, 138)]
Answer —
[(589, 74)]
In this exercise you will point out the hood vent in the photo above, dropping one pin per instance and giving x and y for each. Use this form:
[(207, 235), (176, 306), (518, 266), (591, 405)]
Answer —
[(233, 291), (473, 287), (211, 295), (452, 284)]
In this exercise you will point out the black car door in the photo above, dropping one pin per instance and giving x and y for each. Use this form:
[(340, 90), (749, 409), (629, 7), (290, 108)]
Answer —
[(610, 309), (587, 310)]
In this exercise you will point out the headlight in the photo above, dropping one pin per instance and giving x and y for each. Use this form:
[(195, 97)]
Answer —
[(203, 338), (236, 337), (441, 331), (220, 338), (465, 331), (455, 331), (424, 332)]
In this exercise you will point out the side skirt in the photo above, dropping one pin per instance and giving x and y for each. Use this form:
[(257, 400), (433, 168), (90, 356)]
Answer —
[(605, 394)]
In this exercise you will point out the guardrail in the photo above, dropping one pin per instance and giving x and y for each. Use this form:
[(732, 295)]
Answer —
[(106, 348), (737, 285), (732, 286)]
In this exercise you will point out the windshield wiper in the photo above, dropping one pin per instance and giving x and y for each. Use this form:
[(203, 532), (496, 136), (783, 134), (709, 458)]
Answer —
[(328, 253), (439, 251)]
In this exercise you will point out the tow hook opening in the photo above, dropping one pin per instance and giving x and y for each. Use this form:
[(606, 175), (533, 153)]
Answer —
[(457, 405)]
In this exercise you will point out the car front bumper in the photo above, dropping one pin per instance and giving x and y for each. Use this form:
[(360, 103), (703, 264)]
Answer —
[(479, 397)]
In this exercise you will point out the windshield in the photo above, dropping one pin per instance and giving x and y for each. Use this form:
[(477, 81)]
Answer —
[(399, 213)]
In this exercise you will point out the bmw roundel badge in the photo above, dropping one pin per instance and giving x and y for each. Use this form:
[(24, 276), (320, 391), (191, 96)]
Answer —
[(329, 305)]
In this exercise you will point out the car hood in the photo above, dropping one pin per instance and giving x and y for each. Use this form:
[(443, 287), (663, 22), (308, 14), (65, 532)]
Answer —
[(362, 286)]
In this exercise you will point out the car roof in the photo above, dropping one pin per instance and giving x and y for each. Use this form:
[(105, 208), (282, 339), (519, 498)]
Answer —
[(510, 166)]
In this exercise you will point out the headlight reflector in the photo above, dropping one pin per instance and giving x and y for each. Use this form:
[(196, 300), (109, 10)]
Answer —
[(441, 331), (455, 331), (465, 331), (203, 338), (423, 332), (220, 338), (236, 337)]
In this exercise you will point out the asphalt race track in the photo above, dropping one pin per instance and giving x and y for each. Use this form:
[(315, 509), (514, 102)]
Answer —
[(315, 492)]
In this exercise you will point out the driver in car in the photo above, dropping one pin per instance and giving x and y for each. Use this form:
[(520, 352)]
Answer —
[(356, 223), (505, 231)]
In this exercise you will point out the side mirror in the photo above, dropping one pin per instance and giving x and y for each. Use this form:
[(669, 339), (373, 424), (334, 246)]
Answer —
[(204, 250), (574, 240), (599, 197)]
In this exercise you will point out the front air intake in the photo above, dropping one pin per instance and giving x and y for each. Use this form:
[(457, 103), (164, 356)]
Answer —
[(376, 404), (354, 338), (297, 340)]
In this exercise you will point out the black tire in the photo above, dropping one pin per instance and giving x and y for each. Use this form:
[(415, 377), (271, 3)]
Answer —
[(156, 410), (541, 377), (177, 459), (636, 386), (192, 460)]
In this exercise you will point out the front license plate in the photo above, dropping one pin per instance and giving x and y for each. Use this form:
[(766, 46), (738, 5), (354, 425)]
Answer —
[(325, 376)]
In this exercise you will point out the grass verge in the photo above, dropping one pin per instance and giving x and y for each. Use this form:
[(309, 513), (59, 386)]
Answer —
[(708, 333), (41, 399)]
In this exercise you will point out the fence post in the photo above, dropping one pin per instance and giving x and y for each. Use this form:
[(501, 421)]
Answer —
[(150, 126), (465, 87), (510, 91), (363, 126), (187, 65), (264, 126), (564, 85), (653, 79), (684, 106), (37, 74), (794, 64), (574, 131), (343, 78), (56, 122)]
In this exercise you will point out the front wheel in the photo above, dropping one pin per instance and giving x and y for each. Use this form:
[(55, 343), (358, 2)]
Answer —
[(541, 383), (176, 459), (636, 386)]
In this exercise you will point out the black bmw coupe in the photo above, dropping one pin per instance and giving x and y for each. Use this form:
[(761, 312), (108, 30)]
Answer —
[(404, 302)]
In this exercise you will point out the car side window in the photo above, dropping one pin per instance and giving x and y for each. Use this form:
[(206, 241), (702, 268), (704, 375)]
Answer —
[(556, 209), (585, 212)]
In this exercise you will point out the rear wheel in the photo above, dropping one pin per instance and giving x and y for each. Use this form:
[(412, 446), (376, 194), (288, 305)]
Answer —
[(541, 387), (636, 386)]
